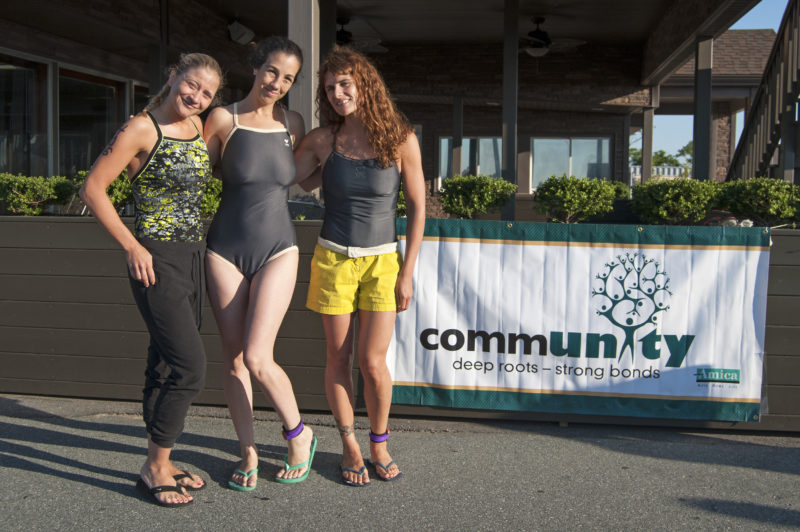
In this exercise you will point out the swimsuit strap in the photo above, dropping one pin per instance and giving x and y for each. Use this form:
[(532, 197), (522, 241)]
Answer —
[(158, 129), (335, 130), (195, 127), (286, 125), (235, 115)]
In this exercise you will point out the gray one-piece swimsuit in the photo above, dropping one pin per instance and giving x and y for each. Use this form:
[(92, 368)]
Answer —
[(252, 224)]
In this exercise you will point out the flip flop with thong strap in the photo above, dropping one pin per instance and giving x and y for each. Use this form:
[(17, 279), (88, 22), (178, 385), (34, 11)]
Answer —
[(247, 475), (358, 472), (182, 475), (150, 494), (385, 468), (306, 464)]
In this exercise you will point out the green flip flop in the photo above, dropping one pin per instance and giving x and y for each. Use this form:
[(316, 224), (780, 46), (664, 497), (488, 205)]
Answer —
[(240, 487), (306, 464)]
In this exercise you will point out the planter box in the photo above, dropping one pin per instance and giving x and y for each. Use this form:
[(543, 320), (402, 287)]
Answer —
[(69, 327)]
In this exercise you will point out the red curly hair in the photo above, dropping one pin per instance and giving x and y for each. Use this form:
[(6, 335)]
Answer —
[(387, 127)]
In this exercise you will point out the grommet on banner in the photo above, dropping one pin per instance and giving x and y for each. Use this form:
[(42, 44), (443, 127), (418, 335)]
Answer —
[(640, 228), (510, 226)]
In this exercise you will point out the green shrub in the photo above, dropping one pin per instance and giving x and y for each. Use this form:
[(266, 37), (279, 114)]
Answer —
[(211, 197), (468, 196), (572, 199), (401, 204), (119, 191), (29, 195), (764, 200), (621, 190), (674, 201)]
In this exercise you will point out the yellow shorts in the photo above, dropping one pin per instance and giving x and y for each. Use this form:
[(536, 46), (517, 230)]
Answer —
[(340, 284)]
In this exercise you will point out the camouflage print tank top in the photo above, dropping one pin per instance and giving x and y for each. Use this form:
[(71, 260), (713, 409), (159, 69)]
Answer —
[(168, 189)]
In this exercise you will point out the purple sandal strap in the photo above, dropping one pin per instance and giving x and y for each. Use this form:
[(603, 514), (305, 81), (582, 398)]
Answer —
[(378, 438), (295, 432)]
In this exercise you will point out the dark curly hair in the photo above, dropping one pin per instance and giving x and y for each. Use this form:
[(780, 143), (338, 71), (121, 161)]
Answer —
[(387, 127)]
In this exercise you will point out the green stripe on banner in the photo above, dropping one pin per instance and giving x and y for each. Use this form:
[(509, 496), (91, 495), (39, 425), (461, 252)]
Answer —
[(624, 235), (577, 404)]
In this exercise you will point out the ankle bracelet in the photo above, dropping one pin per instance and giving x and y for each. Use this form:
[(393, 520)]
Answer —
[(378, 438), (295, 432)]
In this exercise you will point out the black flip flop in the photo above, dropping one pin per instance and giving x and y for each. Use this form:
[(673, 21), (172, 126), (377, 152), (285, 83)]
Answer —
[(385, 468), (358, 472), (183, 475), (151, 493)]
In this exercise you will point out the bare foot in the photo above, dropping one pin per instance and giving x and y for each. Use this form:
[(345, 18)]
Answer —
[(299, 451), (154, 475), (385, 467)]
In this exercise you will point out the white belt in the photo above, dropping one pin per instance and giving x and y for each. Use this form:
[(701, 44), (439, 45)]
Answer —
[(354, 251)]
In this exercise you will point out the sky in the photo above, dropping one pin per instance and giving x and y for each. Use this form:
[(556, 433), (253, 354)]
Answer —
[(672, 132)]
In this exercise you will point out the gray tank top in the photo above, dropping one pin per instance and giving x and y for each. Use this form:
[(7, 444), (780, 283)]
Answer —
[(360, 201)]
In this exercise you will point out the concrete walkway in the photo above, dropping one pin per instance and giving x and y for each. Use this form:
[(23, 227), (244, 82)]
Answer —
[(69, 464)]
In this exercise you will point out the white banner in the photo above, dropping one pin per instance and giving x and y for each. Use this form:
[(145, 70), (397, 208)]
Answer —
[(613, 320)]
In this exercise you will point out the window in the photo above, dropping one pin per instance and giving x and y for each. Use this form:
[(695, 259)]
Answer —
[(90, 110), (579, 156), (479, 155), (23, 130)]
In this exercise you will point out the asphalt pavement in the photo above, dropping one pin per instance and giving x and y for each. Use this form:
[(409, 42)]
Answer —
[(71, 464)]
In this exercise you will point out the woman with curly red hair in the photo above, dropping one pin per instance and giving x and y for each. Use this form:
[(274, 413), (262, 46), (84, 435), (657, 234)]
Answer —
[(366, 151)]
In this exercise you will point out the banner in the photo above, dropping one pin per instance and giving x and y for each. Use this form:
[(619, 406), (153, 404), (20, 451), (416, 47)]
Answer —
[(646, 321)]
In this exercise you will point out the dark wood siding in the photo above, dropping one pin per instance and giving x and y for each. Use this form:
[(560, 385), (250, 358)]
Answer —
[(69, 327)]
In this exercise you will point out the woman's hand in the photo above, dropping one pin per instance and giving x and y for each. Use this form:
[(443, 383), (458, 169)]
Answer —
[(140, 264), (403, 291)]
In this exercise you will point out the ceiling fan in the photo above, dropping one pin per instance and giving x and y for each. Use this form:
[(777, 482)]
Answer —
[(367, 45), (538, 42)]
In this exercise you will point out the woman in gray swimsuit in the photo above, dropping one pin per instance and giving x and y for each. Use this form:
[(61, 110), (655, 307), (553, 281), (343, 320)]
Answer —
[(368, 149), (251, 262)]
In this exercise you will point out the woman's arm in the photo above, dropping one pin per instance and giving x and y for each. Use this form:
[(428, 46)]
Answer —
[(414, 191), (296, 126), (131, 139), (218, 124), (307, 159)]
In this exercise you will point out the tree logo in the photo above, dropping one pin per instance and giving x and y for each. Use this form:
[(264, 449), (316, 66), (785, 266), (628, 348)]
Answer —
[(631, 292)]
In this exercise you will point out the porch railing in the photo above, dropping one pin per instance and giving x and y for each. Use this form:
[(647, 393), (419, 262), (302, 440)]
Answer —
[(773, 103)]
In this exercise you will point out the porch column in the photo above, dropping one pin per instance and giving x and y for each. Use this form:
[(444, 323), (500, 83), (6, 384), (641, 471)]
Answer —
[(732, 138), (458, 135), (647, 143), (701, 161), (627, 177), (788, 161), (510, 99), (304, 22), (53, 120)]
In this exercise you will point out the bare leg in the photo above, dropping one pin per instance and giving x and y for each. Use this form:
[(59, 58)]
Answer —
[(228, 293), (158, 471), (375, 334), (270, 294), (339, 389)]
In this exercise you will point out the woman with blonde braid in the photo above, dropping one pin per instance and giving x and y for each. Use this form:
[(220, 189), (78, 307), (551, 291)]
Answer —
[(166, 157)]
